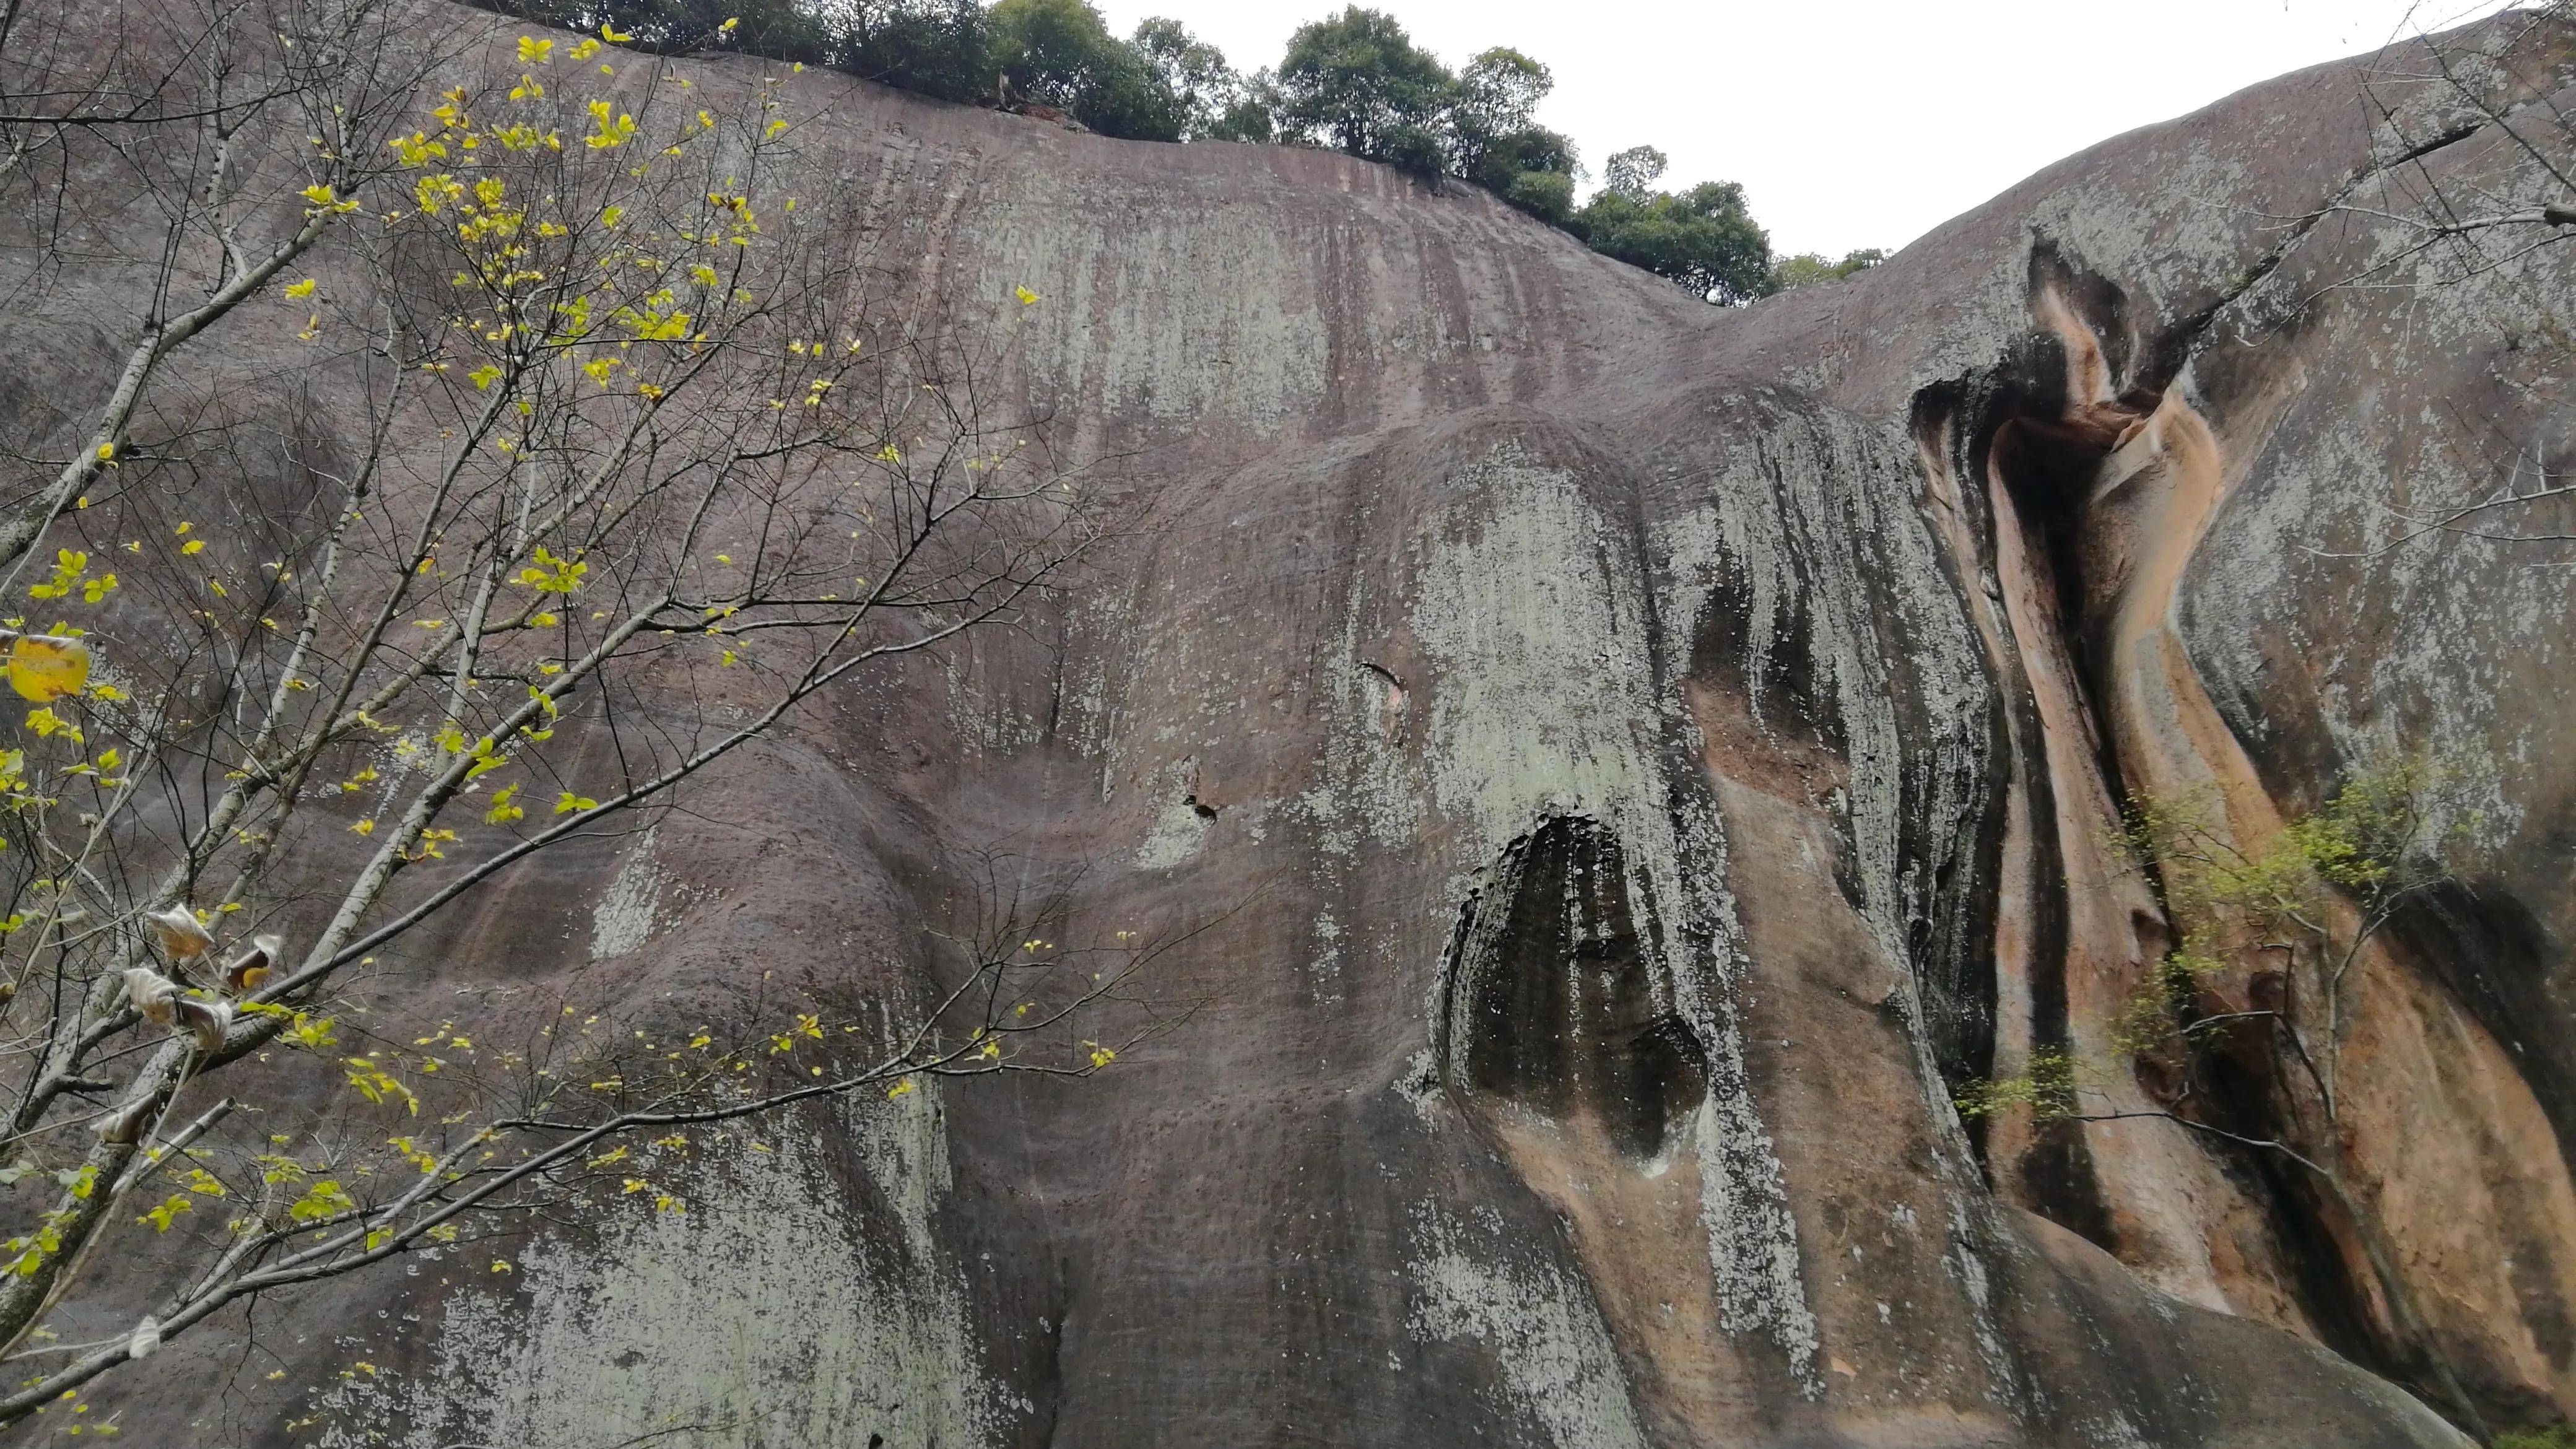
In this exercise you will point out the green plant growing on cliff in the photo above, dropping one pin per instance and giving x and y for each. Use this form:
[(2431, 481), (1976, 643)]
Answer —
[(637, 460), (2274, 952)]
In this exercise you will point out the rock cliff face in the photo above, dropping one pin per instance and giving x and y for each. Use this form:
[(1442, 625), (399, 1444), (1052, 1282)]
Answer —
[(1630, 762)]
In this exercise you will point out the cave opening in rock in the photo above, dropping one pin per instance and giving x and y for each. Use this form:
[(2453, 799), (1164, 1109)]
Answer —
[(1557, 1006)]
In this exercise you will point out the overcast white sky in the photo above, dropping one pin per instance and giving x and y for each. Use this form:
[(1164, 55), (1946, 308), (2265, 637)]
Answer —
[(1855, 123)]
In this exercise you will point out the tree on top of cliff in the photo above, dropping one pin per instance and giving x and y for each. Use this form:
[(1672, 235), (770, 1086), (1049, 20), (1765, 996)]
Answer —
[(1212, 101), (1496, 142), (936, 47), (1705, 238), (1358, 83), (1354, 81), (1633, 173), (1498, 93), (532, 456), (1808, 268), (1061, 54)]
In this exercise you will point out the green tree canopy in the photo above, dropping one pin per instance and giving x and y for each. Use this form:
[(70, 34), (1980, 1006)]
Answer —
[(1358, 82), (1808, 268), (1533, 169), (1497, 95), (1496, 142), (1633, 173), (1250, 117), (936, 47), (1204, 89), (1703, 238), (1060, 53)]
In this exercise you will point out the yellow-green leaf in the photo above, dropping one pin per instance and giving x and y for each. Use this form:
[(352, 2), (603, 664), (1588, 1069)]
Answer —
[(45, 667)]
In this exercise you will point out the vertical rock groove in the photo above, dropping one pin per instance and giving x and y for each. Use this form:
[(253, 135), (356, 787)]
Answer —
[(2097, 486)]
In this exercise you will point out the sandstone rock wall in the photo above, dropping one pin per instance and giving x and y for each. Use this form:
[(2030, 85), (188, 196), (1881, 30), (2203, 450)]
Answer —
[(1631, 761)]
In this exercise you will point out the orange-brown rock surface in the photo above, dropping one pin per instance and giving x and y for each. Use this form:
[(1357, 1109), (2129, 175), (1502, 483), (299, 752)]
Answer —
[(1632, 761)]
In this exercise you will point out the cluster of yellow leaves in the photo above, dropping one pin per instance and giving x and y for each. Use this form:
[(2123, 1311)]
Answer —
[(545, 702), (502, 236), (610, 127), (310, 1033), (71, 575), (415, 1154), (28, 1252), (548, 574), (376, 1084), (45, 724), (656, 318), (200, 1183), (323, 1199)]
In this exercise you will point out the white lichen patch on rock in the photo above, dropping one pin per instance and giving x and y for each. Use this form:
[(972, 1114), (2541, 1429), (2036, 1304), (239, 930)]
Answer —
[(2458, 626), (1326, 972), (1136, 320), (1811, 524), (1752, 1244), (1543, 1329), (627, 911), (1546, 703), (1179, 830), (1543, 704), (772, 1314), (1373, 787)]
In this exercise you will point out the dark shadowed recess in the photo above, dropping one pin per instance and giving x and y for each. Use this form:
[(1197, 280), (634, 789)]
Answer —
[(1553, 1004)]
